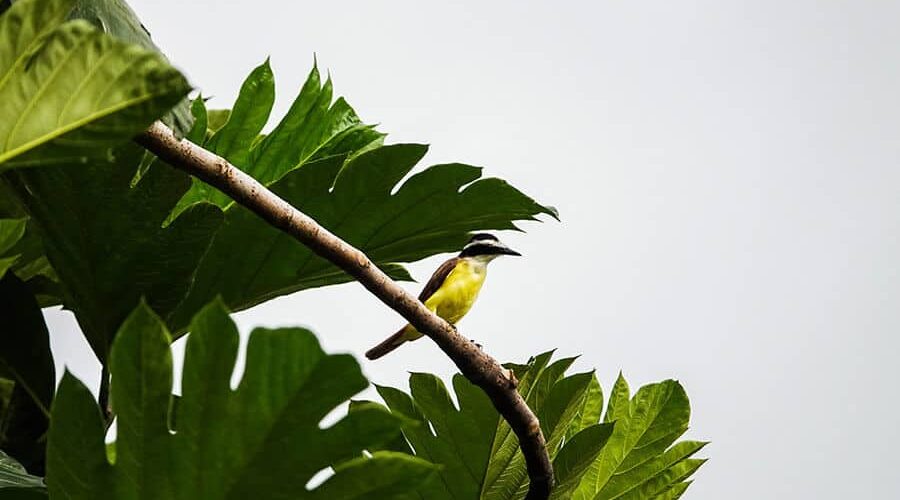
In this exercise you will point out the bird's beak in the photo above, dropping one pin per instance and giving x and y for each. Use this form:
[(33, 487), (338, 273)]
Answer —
[(510, 251)]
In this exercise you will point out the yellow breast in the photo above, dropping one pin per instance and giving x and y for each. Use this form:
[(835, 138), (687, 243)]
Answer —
[(460, 289)]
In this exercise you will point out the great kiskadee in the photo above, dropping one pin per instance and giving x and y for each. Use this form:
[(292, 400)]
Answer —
[(452, 289)]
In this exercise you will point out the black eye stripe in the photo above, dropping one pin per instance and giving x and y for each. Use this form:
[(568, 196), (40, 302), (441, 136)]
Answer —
[(473, 249)]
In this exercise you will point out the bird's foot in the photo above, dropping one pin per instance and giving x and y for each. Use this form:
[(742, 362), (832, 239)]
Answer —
[(476, 343)]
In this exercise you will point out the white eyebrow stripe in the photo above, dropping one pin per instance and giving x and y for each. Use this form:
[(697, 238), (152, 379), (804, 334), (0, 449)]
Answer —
[(490, 243)]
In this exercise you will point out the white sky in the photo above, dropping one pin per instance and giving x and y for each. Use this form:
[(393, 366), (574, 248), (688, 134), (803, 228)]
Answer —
[(727, 177)]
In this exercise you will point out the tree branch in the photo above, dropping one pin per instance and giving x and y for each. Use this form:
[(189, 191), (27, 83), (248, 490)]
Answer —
[(473, 363)]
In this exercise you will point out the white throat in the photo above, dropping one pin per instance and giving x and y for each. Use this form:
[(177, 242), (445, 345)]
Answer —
[(482, 260)]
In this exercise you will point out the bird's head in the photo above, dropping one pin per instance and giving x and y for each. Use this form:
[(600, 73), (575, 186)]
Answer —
[(486, 247)]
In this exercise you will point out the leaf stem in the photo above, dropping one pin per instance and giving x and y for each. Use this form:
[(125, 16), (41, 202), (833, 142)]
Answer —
[(103, 396)]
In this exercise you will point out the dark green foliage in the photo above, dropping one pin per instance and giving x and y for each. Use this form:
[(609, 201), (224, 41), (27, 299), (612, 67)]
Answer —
[(109, 249), (137, 250), (58, 106), (26, 366), (116, 18), (261, 439), (16, 483), (327, 163), (626, 456), (149, 231)]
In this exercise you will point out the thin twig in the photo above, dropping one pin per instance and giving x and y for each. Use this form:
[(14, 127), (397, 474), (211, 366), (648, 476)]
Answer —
[(103, 396), (473, 363)]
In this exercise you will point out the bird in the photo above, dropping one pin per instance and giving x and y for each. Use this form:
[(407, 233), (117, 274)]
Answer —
[(452, 289)]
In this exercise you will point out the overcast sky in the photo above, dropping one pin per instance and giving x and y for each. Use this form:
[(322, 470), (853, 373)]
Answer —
[(727, 177)]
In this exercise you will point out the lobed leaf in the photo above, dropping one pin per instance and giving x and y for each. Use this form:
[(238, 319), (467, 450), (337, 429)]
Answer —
[(577, 456), (261, 440), (627, 456), (70, 92), (116, 18), (637, 461), (432, 212), (109, 248), (313, 128)]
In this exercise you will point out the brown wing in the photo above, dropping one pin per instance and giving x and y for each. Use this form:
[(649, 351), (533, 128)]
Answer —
[(437, 279)]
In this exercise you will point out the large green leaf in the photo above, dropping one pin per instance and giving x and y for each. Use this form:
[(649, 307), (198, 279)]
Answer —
[(72, 90), (432, 212), (26, 365), (116, 18), (557, 400), (478, 453), (640, 460), (313, 128), (481, 458), (106, 241), (459, 440), (26, 361), (262, 440), (327, 163), (102, 239)]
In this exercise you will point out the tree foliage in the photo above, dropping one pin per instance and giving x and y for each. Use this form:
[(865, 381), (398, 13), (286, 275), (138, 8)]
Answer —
[(72, 90), (261, 438), (142, 253), (629, 453), (16, 483)]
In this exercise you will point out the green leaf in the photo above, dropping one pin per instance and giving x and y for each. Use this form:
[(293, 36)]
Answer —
[(591, 409), (11, 231), (76, 456), (434, 211), (26, 360), (674, 492), (262, 440), (626, 457), (385, 475), (478, 455), (398, 443), (25, 353), (26, 257), (72, 90), (247, 118), (649, 478), (116, 18), (197, 134), (458, 442), (106, 242), (577, 456), (217, 119), (639, 461), (619, 401), (16, 482), (555, 399), (506, 470), (313, 128), (327, 163)]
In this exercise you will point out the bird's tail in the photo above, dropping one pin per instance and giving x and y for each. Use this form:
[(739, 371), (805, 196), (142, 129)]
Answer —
[(391, 343)]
